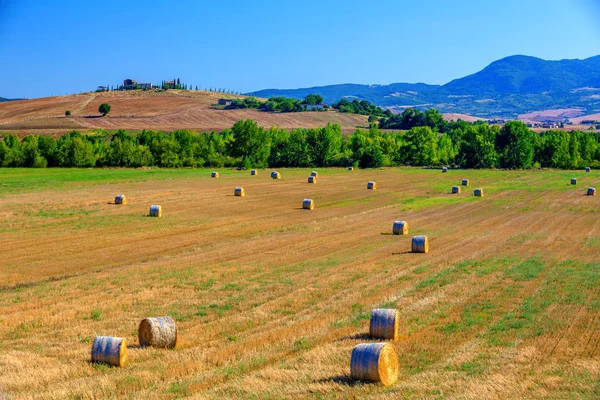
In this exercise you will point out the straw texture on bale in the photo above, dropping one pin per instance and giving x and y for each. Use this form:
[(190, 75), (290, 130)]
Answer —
[(275, 175), (455, 189), (400, 228), (591, 192), (588, 169), (315, 174), (374, 362), (253, 172), (465, 182), (155, 211), (384, 323), (158, 332), (444, 169), (308, 204), (239, 191), (312, 179), (350, 168), (109, 350), (121, 199), (478, 192), (573, 181), (371, 185), (420, 244), (214, 174)]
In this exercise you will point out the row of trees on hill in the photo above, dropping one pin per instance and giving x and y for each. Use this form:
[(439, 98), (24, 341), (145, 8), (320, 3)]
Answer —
[(276, 104), (248, 145)]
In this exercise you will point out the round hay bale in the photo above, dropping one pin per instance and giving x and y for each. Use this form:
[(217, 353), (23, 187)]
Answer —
[(253, 172), (591, 191), (374, 362), (400, 228), (465, 182), (478, 193), (275, 175), (420, 244), (588, 169), (239, 191), (214, 174), (121, 199), (384, 323), (155, 211), (371, 185), (158, 332), (444, 169), (312, 179), (350, 168), (308, 204), (109, 350), (315, 174), (573, 181), (455, 189)]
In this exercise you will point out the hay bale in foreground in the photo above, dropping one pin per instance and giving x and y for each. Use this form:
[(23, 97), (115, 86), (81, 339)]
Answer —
[(591, 191), (420, 244), (350, 168), (455, 189), (371, 185), (158, 332), (239, 191), (214, 174), (109, 350), (253, 172), (573, 181), (315, 174), (155, 211), (478, 193), (588, 169), (444, 169), (121, 199), (312, 179), (400, 228), (465, 182), (308, 204), (275, 175), (384, 323), (374, 362)]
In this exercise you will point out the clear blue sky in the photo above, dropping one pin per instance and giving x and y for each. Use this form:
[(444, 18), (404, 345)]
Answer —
[(68, 46)]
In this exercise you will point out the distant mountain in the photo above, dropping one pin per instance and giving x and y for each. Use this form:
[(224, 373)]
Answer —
[(505, 88)]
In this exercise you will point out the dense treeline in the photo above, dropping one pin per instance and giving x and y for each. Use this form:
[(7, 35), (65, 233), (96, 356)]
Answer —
[(248, 145), (362, 107), (276, 104)]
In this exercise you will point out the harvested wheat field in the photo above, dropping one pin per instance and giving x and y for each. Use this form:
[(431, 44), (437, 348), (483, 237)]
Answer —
[(269, 300)]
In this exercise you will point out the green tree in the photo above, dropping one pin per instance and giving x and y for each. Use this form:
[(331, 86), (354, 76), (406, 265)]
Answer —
[(313, 99), (516, 145), (477, 146), (323, 144), (420, 146), (104, 109), (250, 143), (67, 113)]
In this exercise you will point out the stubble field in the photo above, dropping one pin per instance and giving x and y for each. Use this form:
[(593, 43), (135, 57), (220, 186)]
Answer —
[(270, 299)]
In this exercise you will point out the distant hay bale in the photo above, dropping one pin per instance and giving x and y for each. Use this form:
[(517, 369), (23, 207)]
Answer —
[(109, 350), (455, 189), (400, 228), (350, 168), (444, 169), (155, 211), (121, 199), (588, 169), (275, 175), (315, 174), (253, 172), (158, 332), (384, 323), (239, 191), (371, 185), (420, 244), (573, 181), (214, 174), (478, 192), (591, 191), (308, 204), (312, 179), (465, 182), (374, 362)]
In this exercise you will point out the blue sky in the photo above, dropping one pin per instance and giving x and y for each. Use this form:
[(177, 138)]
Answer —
[(59, 47)]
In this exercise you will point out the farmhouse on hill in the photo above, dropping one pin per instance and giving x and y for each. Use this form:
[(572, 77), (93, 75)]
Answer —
[(130, 84), (225, 102)]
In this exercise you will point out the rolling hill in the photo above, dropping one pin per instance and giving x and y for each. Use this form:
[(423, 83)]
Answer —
[(505, 88)]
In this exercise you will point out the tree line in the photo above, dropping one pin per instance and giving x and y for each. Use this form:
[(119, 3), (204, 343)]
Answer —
[(469, 145), (276, 104)]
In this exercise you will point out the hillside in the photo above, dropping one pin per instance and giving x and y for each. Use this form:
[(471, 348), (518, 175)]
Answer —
[(169, 110), (505, 88)]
